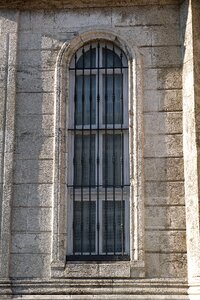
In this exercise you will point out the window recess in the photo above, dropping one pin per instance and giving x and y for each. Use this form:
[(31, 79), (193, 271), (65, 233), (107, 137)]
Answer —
[(98, 176)]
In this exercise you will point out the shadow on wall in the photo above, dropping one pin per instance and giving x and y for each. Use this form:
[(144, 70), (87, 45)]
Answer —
[(33, 173)]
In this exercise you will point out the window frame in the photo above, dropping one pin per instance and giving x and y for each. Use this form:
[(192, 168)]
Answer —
[(136, 266)]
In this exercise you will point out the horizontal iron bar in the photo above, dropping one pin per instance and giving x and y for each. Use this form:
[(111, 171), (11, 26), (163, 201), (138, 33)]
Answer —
[(101, 258), (98, 68), (117, 129), (95, 186)]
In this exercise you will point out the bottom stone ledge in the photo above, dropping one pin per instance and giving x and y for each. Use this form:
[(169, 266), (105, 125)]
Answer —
[(82, 289), (104, 297)]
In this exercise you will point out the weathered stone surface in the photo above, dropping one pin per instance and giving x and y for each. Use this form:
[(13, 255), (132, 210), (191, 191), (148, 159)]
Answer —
[(54, 4), (29, 40), (162, 56), (32, 80), (33, 171), (32, 219), (35, 103), (163, 123), (164, 193), (166, 265), (32, 195), (166, 241), (166, 100), (163, 79), (37, 59), (30, 265), (154, 30), (30, 125), (165, 217), (34, 147), (31, 243), (161, 169), (163, 146)]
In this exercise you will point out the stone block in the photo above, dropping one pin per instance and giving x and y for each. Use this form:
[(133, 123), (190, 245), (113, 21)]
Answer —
[(165, 35), (31, 219), (29, 40), (33, 147), (39, 219), (30, 265), (32, 195), (169, 78), (164, 193), (72, 20), (163, 123), (31, 243), (143, 15), (97, 270), (161, 169), (35, 103), (165, 241), (40, 125), (166, 56), (162, 100), (165, 217), (163, 145), (33, 80), (37, 59), (170, 100), (173, 265), (139, 35), (157, 15), (166, 265), (161, 56), (33, 171), (41, 21)]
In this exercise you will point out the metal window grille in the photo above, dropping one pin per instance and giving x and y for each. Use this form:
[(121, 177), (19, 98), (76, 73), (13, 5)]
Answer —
[(99, 180)]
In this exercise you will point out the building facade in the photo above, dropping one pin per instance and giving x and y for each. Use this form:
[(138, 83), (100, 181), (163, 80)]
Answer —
[(99, 152)]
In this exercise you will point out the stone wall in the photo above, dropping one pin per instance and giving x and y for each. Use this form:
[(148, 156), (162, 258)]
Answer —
[(155, 30)]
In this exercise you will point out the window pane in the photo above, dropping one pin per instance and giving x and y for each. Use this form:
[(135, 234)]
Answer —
[(112, 227), (89, 59), (112, 157), (115, 95), (84, 167), (110, 59), (89, 113), (85, 217)]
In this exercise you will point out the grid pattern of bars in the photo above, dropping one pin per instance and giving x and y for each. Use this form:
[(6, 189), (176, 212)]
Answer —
[(100, 153)]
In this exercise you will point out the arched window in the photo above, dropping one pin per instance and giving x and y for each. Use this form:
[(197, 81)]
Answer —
[(98, 154)]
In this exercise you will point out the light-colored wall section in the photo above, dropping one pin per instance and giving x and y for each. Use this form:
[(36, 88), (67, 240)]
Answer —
[(155, 30), (8, 59)]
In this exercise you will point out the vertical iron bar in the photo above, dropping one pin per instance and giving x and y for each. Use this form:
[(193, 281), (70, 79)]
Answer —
[(113, 108), (90, 154), (98, 99), (122, 157), (106, 150), (74, 158), (82, 146)]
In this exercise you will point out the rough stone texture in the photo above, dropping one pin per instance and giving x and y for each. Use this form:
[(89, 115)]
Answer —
[(66, 4), (165, 36)]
